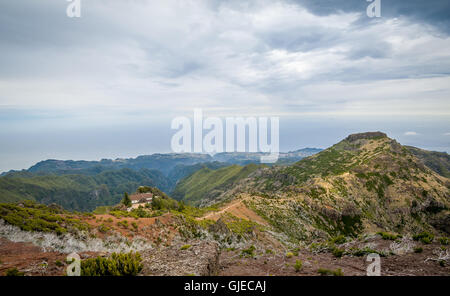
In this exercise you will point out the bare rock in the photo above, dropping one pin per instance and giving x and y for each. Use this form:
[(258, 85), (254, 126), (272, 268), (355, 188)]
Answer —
[(201, 258)]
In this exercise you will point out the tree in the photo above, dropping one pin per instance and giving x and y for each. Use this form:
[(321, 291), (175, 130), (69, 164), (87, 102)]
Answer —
[(126, 200)]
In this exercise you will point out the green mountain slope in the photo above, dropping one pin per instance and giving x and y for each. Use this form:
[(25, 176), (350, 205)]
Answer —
[(437, 161), (208, 184), (78, 192)]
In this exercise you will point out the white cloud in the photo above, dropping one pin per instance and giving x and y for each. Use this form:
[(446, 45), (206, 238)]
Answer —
[(227, 57), (411, 134)]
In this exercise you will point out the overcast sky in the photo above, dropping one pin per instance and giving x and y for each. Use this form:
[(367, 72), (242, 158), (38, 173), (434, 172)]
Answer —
[(109, 83)]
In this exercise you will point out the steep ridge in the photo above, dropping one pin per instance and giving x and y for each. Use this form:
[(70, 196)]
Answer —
[(365, 183)]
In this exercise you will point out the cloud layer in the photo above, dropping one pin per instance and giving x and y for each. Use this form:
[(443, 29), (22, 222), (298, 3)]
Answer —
[(124, 62)]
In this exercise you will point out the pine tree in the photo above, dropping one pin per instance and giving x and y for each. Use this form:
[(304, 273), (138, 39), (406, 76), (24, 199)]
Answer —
[(126, 200)]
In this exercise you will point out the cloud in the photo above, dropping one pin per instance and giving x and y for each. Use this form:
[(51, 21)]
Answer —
[(281, 57), (447, 134), (411, 134)]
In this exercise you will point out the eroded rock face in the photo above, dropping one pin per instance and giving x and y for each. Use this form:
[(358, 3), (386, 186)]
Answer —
[(201, 258)]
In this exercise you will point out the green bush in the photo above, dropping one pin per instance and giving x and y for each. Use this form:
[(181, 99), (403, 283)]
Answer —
[(103, 229), (14, 272), (338, 239), (289, 254), (122, 264), (185, 247), (388, 236), (418, 250), (324, 271), (59, 263), (250, 252), (424, 237), (123, 223), (298, 265), (444, 241), (338, 252)]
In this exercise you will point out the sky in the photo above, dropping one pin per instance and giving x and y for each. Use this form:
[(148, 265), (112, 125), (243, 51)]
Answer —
[(109, 83)]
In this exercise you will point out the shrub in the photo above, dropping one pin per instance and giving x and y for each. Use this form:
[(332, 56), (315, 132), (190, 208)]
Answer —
[(59, 263), (269, 251), (338, 252), (324, 271), (103, 229), (365, 251), (339, 239), (14, 272), (444, 241), (31, 216), (298, 265), (289, 254), (185, 247), (250, 252), (123, 223), (119, 264), (418, 250), (388, 236), (424, 237), (135, 226)]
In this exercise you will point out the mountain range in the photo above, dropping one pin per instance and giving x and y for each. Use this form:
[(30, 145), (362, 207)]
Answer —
[(84, 185)]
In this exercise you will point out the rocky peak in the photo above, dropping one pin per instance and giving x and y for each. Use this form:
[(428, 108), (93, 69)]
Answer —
[(366, 136)]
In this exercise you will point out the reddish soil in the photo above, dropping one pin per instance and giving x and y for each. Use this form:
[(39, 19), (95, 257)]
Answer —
[(32, 260), (411, 264), (150, 228)]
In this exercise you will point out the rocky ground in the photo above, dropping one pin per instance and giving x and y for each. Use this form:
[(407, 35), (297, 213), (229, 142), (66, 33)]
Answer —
[(410, 264), (205, 258)]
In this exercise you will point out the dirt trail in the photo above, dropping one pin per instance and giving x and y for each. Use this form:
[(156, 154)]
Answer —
[(237, 208)]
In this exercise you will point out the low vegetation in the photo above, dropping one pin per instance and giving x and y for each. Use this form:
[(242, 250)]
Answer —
[(424, 237), (119, 264), (31, 216), (324, 271)]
